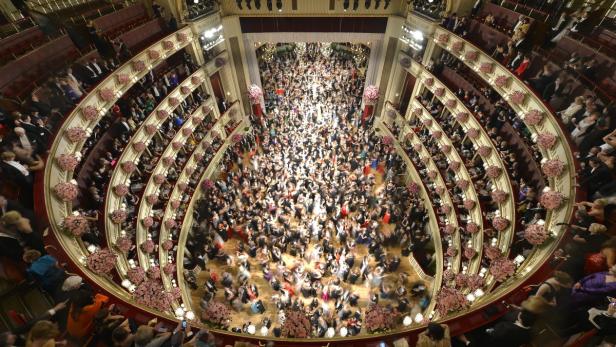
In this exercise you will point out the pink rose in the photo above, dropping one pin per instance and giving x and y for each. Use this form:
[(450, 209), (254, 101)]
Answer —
[(500, 223), (106, 94), (124, 244), (118, 216), (66, 191), (546, 140), (501, 268), (499, 196), (138, 65), (76, 225), (472, 227), (147, 222), (553, 167), (76, 134), (89, 113), (148, 246), (67, 162), (102, 261), (175, 204), (551, 199), (535, 234), (120, 190)]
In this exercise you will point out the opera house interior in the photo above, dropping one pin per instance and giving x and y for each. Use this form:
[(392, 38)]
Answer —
[(380, 173)]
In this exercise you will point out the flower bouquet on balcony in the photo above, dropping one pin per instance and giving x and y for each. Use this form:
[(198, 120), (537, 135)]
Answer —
[(535, 234), (138, 65), (462, 184), (517, 97), (472, 133), (484, 151), (450, 300), (106, 94), (67, 162), (460, 280), (136, 275), (118, 216), (207, 184), (469, 204), (451, 251), (169, 269), (454, 166), (218, 315), (449, 229), (442, 39), (66, 191), (167, 245), (120, 190), (76, 134), (170, 223), (498, 196), (76, 225), (371, 94), (101, 262), (173, 101), (236, 138), (380, 319), (446, 149), (161, 114), (546, 140), (124, 244), (139, 146), (462, 117), (457, 46), (153, 272), (89, 113), (486, 68), (122, 78), (153, 54), (159, 178), (551, 199), (493, 171), (437, 134), (553, 167), (492, 252), (469, 253), (168, 44), (413, 188), (501, 268), (129, 167), (471, 55), (474, 282), (501, 81), (472, 227), (152, 294), (195, 80), (148, 246), (439, 92), (147, 222), (254, 94), (429, 82), (500, 223), (533, 117), (184, 90)]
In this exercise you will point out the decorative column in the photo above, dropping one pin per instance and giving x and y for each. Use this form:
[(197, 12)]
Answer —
[(371, 97)]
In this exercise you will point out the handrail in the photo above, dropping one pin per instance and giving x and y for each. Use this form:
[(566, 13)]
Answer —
[(432, 218), (475, 212), (57, 210), (563, 183), (130, 154)]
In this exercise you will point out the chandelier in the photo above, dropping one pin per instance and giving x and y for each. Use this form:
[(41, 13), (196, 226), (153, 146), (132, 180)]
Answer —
[(359, 54), (326, 49), (268, 52), (300, 48)]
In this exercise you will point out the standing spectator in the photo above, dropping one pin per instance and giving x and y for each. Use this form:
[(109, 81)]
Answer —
[(436, 335)]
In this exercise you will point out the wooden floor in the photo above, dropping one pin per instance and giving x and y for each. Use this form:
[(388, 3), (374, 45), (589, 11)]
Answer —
[(361, 288)]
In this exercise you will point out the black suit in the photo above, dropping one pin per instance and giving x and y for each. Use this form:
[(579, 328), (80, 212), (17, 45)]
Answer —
[(596, 178)]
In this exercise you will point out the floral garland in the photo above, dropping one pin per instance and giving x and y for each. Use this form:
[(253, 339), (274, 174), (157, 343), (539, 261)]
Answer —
[(500, 223), (501, 81), (152, 294), (450, 300), (533, 117), (124, 244), (493, 171), (76, 134), (296, 325), (371, 94), (118, 216), (535, 234), (66, 191), (218, 315), (76, 225), (136, 275), (102, 261), (106, 94), (379, 319), (501, 268), (546, 140), (551, 199), (553, 167), (472, 227), (498, 196), (67, 162), (148, 246), (139, 146), (89, 113)]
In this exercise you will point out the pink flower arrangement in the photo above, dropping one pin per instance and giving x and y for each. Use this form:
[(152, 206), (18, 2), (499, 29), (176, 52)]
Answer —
[(429, 82), (472, 133), (150, 129), (454, 166), (471, 55), (437, 134), (448, 275), (139, 146), (553, 167), (500, 223), (175, 204), (136, 275), (427, 122), (462, 117), (486, 68), (167, 161), (199, 156), (66, 191), (533, 117), (457, 46), (122, 78), (452, 251), (445, 209), (484, 151), (546, 140), (195, 80), (124, 244), (118, 216), (161, 114), (67, 162), (196, 120), (182, 186), (469, 204), (152, 199), (106, 94), (446, 149), (159, 178), (168, 44), (148, 246), (170, 223), (472, 227), (517, 97), (236, 138), (176, 293), (120, 190), (173, 101), (449, 229), (152, 294), (379, 319), (439, 91), (462, 184), (451, 103), (501, 268), (535, 234), (128, 167), (190, 170), (493, 171), (474, 282), (153, 272), (551, 199), (439, 190), (184, 90), (153, 54), (207, 184), (255, 93), (450, 300), (371, 94), (181, 37), (167, 245), (432, 174), (76, 225), (460, 280), (492, 252), (76, 134), (89, 113), (425, 160), (417, 147), (176, 145), (442, 38), (147, 222), (169, 268), (102, 261), (218, 315), (296, 325), (501, 81), (138, 65), (498, 196), (469, 253), (187, 131)]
